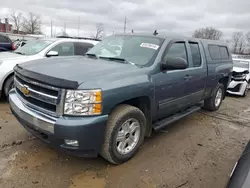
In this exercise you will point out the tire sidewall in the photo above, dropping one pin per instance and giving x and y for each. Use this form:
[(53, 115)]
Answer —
[(220, 86), (8, 85), (245, 92), (113, 150)]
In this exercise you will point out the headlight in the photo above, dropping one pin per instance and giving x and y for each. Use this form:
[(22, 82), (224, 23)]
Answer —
[(83, 102)]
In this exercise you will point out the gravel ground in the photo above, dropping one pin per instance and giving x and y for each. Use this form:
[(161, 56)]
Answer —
[(198, 151)]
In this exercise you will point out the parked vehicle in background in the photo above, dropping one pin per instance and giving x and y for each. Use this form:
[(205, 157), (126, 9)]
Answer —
[(39, 49), (19, 43), (6, 43), (109, 100), (239, 84), (240, 175)]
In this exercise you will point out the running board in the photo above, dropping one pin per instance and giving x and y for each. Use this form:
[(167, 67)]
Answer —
[(165, 122)]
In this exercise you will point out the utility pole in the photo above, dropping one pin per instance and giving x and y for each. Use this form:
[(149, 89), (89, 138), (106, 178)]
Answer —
[(78, 25), (51, 29), (125, 24), (64, 27)]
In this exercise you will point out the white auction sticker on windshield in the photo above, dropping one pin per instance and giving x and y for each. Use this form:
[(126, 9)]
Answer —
[(148, 45)]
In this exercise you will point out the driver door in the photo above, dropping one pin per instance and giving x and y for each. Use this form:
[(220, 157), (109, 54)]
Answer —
[(170, 85)]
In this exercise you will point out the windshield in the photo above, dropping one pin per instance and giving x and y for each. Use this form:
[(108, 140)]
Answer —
[(138, 50), (241, 64), (33, 47)]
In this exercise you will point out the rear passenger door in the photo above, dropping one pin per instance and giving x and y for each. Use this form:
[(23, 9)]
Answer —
[(82, 47), (197, 73)]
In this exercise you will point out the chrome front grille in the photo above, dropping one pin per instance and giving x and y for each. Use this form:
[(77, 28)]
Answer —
[(39, 96)]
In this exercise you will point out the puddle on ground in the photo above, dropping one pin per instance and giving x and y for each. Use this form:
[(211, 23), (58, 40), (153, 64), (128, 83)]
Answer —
[(42, 156), (88, 180), (5, 170)]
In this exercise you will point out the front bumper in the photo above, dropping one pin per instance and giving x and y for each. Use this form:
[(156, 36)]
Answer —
[(88, 131), (237, 87)]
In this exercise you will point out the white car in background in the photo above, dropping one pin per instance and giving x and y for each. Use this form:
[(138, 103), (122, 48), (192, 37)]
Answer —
[(239, 84), (39, 49)]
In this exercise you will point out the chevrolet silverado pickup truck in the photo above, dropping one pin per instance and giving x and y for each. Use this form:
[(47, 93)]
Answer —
[(109, 100)]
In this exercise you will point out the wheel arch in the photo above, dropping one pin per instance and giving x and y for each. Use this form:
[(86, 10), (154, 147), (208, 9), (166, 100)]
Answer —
[(144, 104), (5, 79)]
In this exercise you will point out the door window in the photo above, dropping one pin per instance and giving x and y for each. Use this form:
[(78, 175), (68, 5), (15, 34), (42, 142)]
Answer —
[(81, 48), (177, 50), (64, 49), (196, 55), (4, 39)]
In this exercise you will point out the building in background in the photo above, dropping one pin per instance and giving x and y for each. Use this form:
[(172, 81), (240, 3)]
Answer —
[(5, 27)]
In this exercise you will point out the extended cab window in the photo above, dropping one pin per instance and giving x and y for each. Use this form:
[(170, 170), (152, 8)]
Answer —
[(177, 50), (64, 49), (81, 48), (224, 52), (196, 55), (214, 52)]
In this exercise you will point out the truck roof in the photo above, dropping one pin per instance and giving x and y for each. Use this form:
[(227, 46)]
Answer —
[(163, 36)]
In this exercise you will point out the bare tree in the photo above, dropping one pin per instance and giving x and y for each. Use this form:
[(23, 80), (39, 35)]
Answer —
[(208, 33), (238, 42), (99, 31), (32, 24), (248, 37), (63, 33), (248, 42), (17, 19)]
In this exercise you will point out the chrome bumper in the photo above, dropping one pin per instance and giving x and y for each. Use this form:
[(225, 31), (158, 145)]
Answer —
[(33, 117)]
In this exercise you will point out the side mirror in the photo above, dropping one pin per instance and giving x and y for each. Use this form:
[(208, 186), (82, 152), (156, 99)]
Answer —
[(175, 63), (52, 53)]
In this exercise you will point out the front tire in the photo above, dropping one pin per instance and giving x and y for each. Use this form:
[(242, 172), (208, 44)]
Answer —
[(124, 134), (9, 84), (214, 102)]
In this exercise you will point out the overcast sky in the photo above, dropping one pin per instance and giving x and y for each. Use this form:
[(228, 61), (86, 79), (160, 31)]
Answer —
[(173, 17)]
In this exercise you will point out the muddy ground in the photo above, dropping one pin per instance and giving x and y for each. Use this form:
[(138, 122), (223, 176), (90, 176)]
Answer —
[(196, 152)]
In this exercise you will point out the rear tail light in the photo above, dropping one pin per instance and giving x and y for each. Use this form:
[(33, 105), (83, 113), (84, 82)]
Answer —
[(13, 46)]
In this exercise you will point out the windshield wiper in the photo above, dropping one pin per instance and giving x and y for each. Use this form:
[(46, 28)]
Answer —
[(91, 55), (19, 53), (117, 59)]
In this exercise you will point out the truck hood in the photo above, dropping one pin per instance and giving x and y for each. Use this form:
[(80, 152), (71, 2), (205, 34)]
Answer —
[(70, 72), (239, 69), (11, 56)]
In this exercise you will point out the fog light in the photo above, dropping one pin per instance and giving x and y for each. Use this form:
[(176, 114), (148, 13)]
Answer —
[(71, 142)]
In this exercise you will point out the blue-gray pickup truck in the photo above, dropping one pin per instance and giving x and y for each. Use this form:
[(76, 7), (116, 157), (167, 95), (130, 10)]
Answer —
[(125, 87)]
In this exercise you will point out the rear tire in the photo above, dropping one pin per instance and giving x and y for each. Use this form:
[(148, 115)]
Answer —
[(120, 148), (9, 84), (213, 103)]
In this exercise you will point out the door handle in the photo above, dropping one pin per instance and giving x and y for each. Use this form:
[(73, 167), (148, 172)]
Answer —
[(187, 77)]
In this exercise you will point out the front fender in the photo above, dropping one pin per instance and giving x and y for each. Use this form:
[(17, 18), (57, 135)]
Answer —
[(128, 89)]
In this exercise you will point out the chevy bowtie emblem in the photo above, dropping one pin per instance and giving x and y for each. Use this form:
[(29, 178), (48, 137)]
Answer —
[(25, 90)]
